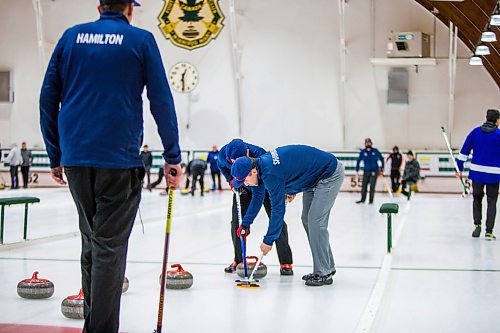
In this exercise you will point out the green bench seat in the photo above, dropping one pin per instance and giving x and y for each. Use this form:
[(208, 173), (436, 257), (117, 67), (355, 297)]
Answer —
[(16, 201), (389, 208)]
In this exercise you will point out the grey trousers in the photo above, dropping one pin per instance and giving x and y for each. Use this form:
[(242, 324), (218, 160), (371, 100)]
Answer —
[(316, 205)]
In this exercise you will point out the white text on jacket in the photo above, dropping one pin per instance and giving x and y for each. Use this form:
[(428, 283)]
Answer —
[(275, 156), (113, 39)]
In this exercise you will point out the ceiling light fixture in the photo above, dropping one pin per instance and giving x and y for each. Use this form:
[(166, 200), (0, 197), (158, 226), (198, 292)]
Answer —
[(488, 36), (495, 18), (475, 61), (482, 49)]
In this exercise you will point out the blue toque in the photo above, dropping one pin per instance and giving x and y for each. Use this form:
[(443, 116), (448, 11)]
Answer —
[(236, 148), (240, 170), (113, 2)]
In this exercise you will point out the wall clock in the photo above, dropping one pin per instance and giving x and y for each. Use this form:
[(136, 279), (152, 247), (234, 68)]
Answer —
[(183, 77)]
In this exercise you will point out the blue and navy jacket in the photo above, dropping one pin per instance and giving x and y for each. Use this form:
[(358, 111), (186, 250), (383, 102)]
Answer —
[(485, 164), (212, 158), (287, 170), (370, 160), (91, 98), (258, 193)]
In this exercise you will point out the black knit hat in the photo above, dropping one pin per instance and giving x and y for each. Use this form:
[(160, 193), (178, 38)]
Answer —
[(492, 115)]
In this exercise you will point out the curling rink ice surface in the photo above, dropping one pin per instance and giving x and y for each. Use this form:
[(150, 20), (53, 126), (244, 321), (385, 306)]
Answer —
[(438, 279)]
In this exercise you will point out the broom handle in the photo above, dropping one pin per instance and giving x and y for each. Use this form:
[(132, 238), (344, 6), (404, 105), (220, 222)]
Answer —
[(159, 323), (240, 219), (256, 266), (453, 158)]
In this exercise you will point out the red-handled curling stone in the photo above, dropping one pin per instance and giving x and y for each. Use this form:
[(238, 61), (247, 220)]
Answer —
[(251, 262), (35, 288), (178, 279), (126, 284), (72, 306)]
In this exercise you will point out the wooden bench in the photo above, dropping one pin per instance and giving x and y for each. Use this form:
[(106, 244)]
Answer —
[(16, 201)]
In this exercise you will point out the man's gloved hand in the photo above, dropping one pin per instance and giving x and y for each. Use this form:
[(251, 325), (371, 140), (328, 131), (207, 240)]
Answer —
[(243, 231), (231, 185)]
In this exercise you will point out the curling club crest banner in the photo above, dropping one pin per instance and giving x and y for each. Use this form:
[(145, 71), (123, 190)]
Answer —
[(191, 24)]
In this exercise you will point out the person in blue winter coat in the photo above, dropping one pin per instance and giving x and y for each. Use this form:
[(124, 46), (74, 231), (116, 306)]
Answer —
[(91, 116), (214, 168), (373, 166), (484, 142), (284, 172), (249, 207)]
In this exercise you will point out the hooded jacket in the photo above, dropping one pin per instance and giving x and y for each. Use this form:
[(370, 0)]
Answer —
[(484, 142)]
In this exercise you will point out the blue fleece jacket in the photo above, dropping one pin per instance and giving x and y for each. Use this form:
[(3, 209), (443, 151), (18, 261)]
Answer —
[(288, 170), (485, 164), (91, 98), (370, 160), (212, 158), (258, 193)]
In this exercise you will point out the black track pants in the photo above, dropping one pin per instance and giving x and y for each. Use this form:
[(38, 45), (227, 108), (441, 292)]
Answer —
[(395, 175), (369, 178), (477, 204), (107, 201), (282, 246)]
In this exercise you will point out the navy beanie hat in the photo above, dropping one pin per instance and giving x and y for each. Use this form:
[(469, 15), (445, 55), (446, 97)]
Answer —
[(240, 170)]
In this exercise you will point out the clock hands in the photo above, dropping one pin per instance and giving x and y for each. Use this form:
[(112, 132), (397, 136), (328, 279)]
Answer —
[(182, 79)]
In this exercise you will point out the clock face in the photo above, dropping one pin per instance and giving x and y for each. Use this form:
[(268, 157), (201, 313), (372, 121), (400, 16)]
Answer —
[(183, 77)]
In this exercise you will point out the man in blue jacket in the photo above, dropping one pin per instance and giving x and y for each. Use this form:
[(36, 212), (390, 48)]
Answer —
[(92, 123), (484, 171), (214, 168), (284, 172), (371, 158), (249, 207)]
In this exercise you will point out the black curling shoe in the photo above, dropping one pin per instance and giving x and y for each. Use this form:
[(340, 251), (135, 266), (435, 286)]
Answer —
[(231, 268), (286, 269), (311, 275), (477, 231), (317, 280)]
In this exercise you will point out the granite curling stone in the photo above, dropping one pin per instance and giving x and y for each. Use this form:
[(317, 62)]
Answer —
[(72, 306), (251, 262), (178, 279), (35, 288)]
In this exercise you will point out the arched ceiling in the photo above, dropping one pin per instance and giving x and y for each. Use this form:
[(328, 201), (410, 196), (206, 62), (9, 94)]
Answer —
[(471, 17)]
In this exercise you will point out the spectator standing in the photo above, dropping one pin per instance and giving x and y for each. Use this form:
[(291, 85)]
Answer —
[(214, 168), (371, 169), (15, 160), (147, 159), (25, 166), (396, 163)]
